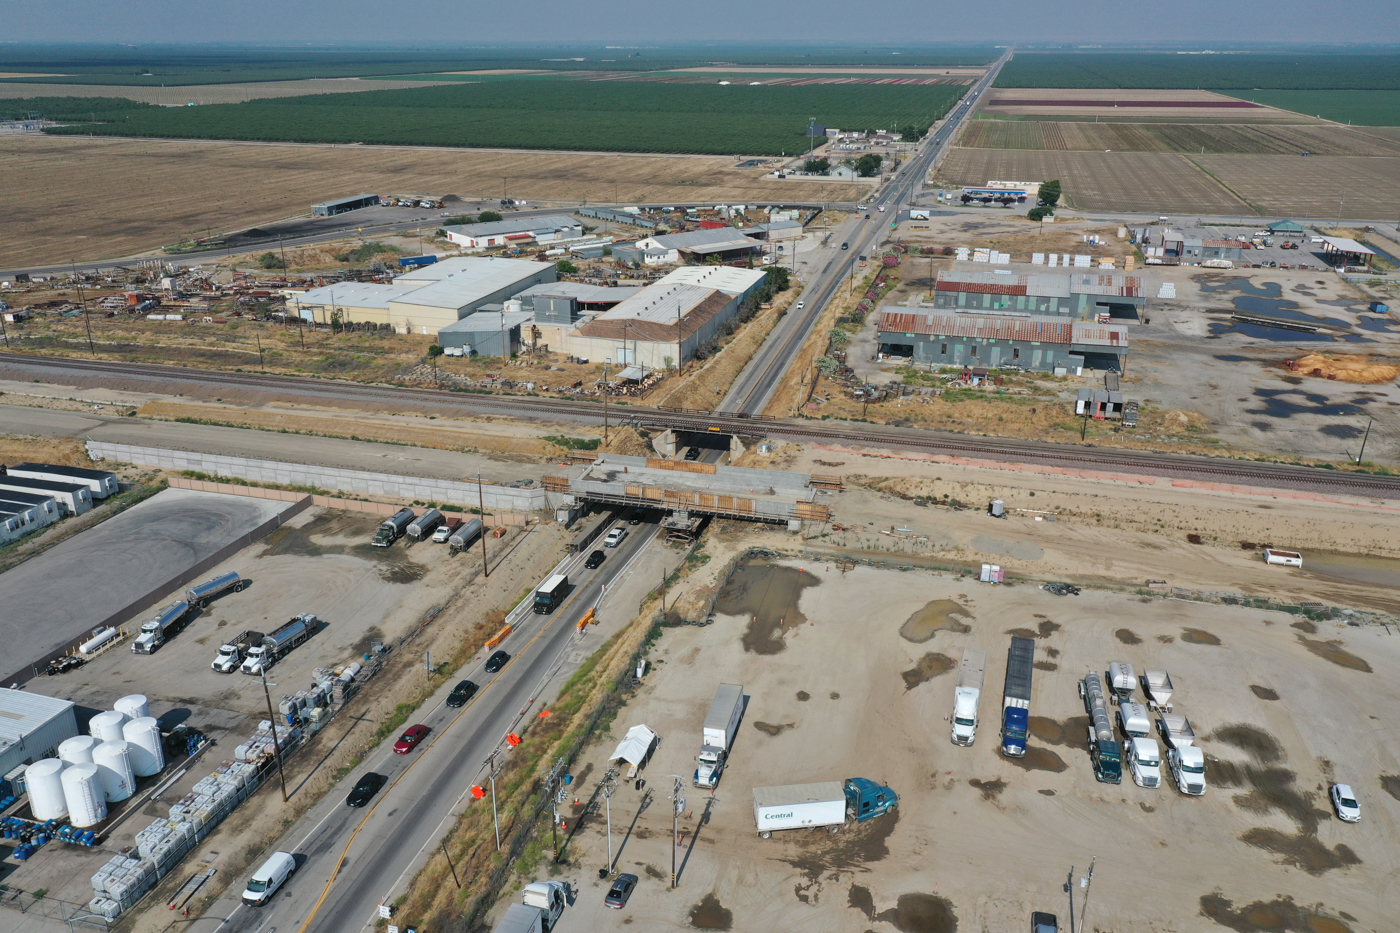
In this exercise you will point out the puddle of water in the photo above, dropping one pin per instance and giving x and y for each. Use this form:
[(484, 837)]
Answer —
[(1039, 759), (1344, 432), (991, 790), (1197, 636), (1238, 283), (1301, 851), (818, 854), (1263, 693), (834, 695), (1261, 332), (1273, 916), (1354, 568), (1376, 324), (1280, 403), (1391, 784), (937, 616), (803, 696), (710, 914), (926, 668), (1229, 358), (1305, 626), (1145, 808), (912, 913), (1127, 636), (1333, 651), (1046, 666), (1044, 629), (309, 540), (1278, 308), (773, 728), (1260, 745), (1046, 793), (767, 595), (1072, 732)]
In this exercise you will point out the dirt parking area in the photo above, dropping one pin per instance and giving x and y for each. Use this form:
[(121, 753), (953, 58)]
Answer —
[(1280, 706)]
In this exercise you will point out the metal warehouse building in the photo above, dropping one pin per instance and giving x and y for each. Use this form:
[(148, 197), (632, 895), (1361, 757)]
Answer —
[(727, 243), (31, 726), (552, 228), (1035, 342), (103, 483), (1080, 296), (331, 208)]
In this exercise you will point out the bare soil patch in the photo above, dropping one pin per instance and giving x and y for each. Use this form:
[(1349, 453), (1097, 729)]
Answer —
[(937, 616), (926, 668)]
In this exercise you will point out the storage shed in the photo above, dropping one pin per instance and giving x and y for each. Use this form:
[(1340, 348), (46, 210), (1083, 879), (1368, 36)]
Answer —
[(31, 726)]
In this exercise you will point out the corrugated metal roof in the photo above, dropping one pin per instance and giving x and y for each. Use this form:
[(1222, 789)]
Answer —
[(485, 322), (1100, 335), (996, 283), (547, 224), (699, 240), (1106, 283), (982, 288), (1346, 245), (727, 279), (978, 327), (660, 320), (22, 712), (356, 294)]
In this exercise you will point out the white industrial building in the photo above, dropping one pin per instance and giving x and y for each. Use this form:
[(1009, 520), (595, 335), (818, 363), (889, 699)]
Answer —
[(23, 512), (552, 228), (103, 483), (31, 726), (73, 498), (427, 299), (724, 243)]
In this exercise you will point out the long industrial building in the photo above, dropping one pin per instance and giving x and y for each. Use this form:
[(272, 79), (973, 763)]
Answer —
[(552, 228), (1081, 295), (1039, 343), (31, 727)]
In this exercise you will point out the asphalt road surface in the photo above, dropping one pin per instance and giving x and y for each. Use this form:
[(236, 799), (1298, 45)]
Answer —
[(754, 387), (349, 860)]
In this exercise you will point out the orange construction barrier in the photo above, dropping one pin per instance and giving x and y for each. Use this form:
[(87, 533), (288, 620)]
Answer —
[(587, 618), (498, 637)]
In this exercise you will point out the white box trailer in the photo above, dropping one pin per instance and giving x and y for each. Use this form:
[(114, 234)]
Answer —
[(75, 498), (799, 806), (1283, 558), (102, 483)]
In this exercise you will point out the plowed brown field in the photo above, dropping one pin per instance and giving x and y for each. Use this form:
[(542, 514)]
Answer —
[(1242, 139)]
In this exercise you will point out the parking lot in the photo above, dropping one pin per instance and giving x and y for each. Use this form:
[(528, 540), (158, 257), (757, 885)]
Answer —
[(849, 675)]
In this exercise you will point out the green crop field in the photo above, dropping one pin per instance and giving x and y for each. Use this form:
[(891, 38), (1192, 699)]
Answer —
[(1364, 108), (1299, 70), (70, 108), (168, 67), (609, 116)]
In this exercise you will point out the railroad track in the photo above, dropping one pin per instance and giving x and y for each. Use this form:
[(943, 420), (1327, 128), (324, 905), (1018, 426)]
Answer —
[(1176, 466)]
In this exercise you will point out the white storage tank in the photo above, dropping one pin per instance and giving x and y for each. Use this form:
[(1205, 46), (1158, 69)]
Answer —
[(113, 761), (82, 790), (107, 726), (45, 782), (147, 754), (134, 706), (77, 750)]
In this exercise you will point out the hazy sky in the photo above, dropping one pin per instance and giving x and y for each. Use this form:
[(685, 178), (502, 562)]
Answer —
[(435, 22)]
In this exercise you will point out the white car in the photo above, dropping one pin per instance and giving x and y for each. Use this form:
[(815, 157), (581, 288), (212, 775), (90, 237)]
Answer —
[(615, 537), (1344, 802), (800, 305), (442, 534)]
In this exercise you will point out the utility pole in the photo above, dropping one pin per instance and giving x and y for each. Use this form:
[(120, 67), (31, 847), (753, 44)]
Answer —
[(605, 401), (449, 864), (1084, 883), (554, 794), (1069, 889), (481, 508), (276, 744), (495, 816), (677, 806), (1362, 456), (609, 786), (261, 364), (82, 301)]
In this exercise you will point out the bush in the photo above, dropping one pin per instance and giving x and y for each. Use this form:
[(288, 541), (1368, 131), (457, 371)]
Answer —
[(488, 217), (565, 267), (270, 260), (1039, 213)]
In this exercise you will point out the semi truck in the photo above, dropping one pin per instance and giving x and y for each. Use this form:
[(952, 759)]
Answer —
[(1188, 764), (166, 624), (423, 526), (1016, 697), (541, 905), (201, 594), (1157, 684), (828, 804), (1104, 750), (551, 593), (967, 694), (232, 652), (1144, 761), (464, 535), (274, 647), (718, 733), (393, 527)]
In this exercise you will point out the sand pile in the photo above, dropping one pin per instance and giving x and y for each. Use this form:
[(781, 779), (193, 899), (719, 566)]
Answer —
[(629, 443), (1359, 369)]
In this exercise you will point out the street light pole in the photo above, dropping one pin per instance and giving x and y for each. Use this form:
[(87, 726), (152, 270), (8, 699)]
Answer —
[(481, 508), (677, 805), (495, 815), (1086, 882), (276, 745), (82, 301)]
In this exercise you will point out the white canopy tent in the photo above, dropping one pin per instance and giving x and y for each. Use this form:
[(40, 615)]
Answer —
[(635, 747)]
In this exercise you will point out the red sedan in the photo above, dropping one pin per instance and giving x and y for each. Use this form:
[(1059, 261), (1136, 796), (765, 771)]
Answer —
[(411, 737)]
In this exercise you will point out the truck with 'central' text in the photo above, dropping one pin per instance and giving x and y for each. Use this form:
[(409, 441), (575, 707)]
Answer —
[(1016, 699), (274, 647), (967, 694), (1104, 750), (826, 804), (721, 724), (167, 622)]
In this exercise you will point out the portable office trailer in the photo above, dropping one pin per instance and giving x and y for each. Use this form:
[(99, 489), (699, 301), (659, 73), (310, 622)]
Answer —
[(45, 507), (75, 498), (12, 526), (103, 483)]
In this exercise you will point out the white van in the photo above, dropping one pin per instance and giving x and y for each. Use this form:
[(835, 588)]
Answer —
[(267, 879)]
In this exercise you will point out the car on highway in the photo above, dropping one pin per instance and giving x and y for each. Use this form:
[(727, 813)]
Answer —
[(800, 305), (268, 878), (461, 694), (594, 559), (497, 661), (1344, 802), (620, 891), (615, 537), (365, 788), (845, 246), (410, 739), (637, 516), (693, 453)]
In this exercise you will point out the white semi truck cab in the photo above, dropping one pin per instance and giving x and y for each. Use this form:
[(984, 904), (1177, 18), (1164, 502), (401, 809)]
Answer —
[(967, 694), (1188, 765), (1145, 761)]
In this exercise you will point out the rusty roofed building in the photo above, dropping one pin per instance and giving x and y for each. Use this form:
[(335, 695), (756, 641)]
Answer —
[(1082, 295), (1034, 342)]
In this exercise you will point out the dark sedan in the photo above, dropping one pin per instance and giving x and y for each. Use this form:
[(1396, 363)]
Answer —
[(365, 788), (595, 559), (621, 890), (496, 662), (461, 694)]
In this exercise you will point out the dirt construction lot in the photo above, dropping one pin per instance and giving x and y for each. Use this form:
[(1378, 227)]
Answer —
[(128, 196), (1280, 705)]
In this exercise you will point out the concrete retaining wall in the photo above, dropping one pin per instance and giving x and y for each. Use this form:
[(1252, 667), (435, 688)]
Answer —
[(390, 485), (330, 502)]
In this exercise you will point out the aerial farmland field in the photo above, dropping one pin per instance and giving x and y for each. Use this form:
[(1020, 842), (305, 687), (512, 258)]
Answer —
[(1318, 187), (1244, 139)]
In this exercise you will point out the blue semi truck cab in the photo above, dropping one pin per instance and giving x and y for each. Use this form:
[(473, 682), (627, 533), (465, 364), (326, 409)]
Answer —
[(866, 799), (1016, 698)]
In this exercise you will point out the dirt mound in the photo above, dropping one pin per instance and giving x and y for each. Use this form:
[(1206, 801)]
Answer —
[(1365, 370), (629, 443)]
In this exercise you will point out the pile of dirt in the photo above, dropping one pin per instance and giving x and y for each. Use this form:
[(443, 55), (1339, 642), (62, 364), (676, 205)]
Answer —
[(1365, 370), (627, 442), (67, 451)]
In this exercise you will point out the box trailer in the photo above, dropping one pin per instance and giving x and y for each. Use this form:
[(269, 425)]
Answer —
[(1016, 697), (551, 593), (74, 498), (717, 735), (825, 804), (102, 483), (1283, 558)]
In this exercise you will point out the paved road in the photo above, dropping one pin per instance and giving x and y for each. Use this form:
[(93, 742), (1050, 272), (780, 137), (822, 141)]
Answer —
[(351, 860), (754, 387)]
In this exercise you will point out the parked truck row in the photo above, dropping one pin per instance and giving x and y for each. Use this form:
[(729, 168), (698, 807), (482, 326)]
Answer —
[(1139, 749), (431, 525), (172, 619)]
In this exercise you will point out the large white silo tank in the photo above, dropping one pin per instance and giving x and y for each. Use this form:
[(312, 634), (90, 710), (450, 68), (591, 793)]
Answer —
[(134, 706), (147, 753), (107, 726), (113, 761), (45, 782), (82, 791), (77, 750)]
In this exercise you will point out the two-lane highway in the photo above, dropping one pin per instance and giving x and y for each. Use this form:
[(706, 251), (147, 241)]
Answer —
[(754, 387), (349, 860)]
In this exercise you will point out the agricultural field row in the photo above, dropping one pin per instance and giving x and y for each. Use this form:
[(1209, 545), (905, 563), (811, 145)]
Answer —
[(144, 67), (1291, 70), (1364, 108), (618, 117), (1245, 139)]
